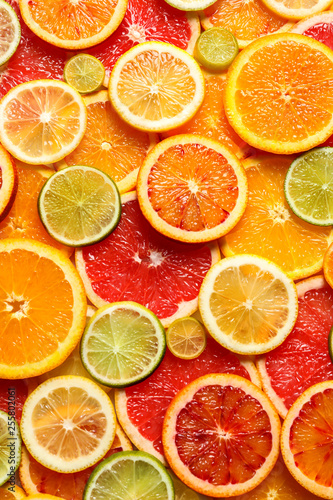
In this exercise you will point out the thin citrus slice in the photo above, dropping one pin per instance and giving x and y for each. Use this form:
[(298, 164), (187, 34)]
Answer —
[(79, 205), (73, 25), (10, 32), (318, 26), (247, 20), (8, 183), (122, 344), (36, 478), (275, 93), (68, 423), (186, 338), (248, 304), (303, 359), (309, 186), (328, 265), (293, 9), (307, 437), (147, 21), (221, 435), (164, 276), (192, 189), (10, 447), (41, 291), (23, 220), (110, 144), (141, 408), (84, 73), (182, 492), (13, 394), (190, 4), (130, 474), (42, 496), (11, 492), (216, 48), (156, 86), (270, 229), (42, 121), (210, 121)]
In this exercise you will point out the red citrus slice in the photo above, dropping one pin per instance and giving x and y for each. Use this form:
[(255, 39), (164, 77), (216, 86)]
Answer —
[(145, 21), (141, 408), (303, 359), (137, 263), (221, 435), (13, 394)]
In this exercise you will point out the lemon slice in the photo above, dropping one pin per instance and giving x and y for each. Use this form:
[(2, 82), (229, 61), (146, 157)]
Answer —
[(10, 446), (10, 32), (84, 73), (186, 338), (216, 48), (190, 4)]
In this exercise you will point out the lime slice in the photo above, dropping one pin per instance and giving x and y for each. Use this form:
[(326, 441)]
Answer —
[(216, 48), (10, 442), (122, 344), (84, 73), (186, 338), (130, 475), (79, 205), (309, 186), (10, 32)]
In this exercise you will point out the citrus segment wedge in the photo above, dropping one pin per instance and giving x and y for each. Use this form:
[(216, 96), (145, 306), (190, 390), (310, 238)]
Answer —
[(156, 86), (268, 223), (41, 291), (73, 25), (10, 447), (275, 93), (8, 183), (68, 423), (186, 338), (42, 121), (192, 189), (10, 32), (84, 73), (221, 435), (248, 304)]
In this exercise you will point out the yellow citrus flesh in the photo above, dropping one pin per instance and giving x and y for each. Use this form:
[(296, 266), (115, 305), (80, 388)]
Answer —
[(270, 229), (248, 304), (68, 423), (84, 73), (42, 305), (8, 183), (328, 265), (11, 492), (293, 9), (278, 91), (186, 338), (156, 86)]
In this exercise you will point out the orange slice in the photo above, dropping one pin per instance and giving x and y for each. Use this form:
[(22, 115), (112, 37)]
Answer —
[(8, 183), (11, 492), (307, 439), (192, 189), (110, 144), (210, 121), (270, 229), (221, 435), (73, 24), (328, 265), (23, 220), (278, 93), (42, 308), (247, 20)]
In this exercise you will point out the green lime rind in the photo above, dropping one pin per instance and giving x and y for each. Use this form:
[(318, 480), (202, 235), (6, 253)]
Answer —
[(216, 49), (79, 205), (308, 186), (122, 344), (10, 447), (190, 5), (330, 344), (130, 474), (8, 48), (85, 73)]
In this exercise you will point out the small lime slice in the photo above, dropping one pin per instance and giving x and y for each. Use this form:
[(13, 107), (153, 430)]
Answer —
[(308, 186), (186, 338), (10, 32), (190, 4), (122, 344), (10, 442), (79, 205), (130, 475), (215, 49), (84, 73)]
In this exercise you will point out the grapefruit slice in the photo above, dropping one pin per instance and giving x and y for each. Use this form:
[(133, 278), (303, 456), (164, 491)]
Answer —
[(221, 435), (307, 439), (303, 359), (136, 263), (318, 26), (141, 408), (145, 21), (13, 394)]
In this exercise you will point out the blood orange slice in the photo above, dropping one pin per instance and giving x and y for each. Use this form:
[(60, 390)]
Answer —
[(221, 435), (303, 359), (13, 394), (136, 263), (144, 21), (141, 408)]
